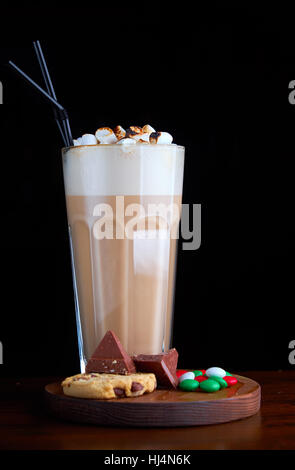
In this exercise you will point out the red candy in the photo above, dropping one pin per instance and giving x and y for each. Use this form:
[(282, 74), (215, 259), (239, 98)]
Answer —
[(230, 380), (180, 372), (203, 371), (201, 378)]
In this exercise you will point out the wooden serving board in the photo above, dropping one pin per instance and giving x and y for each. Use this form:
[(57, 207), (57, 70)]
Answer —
[(162, 408)]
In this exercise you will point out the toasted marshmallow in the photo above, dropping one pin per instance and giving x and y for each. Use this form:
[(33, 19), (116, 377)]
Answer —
[(105, 135), (160, 138), (134, 132), (119, 132), (88, 139), (132, 135), (136, 129), (126, 141), (147, 129), (144, 138)]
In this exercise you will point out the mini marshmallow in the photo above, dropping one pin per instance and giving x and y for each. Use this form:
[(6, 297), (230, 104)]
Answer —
[(120, 133), (88, 139), (142, 141), (136, 129), (134, 132), (77, 142), (160, 138), (144, 137), (105, 135), (126, 141), (148, 129)]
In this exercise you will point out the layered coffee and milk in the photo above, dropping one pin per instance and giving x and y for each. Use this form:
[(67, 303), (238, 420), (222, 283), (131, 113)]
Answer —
[(123, 253)]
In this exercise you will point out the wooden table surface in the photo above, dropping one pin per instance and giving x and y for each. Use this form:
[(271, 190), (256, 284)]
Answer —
[(25, 423)]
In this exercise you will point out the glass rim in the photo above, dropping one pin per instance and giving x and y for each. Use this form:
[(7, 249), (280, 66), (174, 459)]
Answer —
[(66, 149)]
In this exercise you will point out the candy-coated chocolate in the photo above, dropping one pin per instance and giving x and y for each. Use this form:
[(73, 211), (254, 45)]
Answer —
[(230, 380), (187, 375), (222, 382), (198, 373), (216, 371), (188, 385), (201, 378), (209, 386), (180, 372)]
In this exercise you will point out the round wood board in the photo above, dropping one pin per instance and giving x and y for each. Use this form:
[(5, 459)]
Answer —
[(162, 408)]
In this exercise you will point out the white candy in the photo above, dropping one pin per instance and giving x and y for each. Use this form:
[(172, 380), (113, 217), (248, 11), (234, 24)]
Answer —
[(187, 375), (215, 371), (160, 138), (126, 141), (120, 133), (105, 135), (88, 139), (148, 129)]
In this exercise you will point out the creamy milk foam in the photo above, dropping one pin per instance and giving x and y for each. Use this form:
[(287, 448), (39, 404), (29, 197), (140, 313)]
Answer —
[(109, 170), (122, 284)]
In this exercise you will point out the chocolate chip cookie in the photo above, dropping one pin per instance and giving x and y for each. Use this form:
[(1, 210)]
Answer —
[(107, 386)]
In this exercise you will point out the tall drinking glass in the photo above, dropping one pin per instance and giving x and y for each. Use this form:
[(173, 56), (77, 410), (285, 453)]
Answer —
[(123, 207)]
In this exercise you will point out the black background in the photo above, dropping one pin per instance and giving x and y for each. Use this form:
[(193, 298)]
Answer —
[(217, 79)]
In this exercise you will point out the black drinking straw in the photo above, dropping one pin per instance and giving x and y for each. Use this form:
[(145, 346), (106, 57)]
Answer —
[(62, 111), (50, 89)]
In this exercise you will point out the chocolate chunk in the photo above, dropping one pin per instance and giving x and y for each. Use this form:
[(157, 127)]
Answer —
[(120, 392), (110, 357), (162, 365), (136, 387)]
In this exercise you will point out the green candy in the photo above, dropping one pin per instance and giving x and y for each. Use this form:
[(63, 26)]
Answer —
[(189, 385), (227, 373), (209, 386), (197, 373), (221, 381)]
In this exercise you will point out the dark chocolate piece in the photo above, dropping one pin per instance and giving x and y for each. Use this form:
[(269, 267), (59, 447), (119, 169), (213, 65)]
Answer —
[(120, 392), (136, 387), (110, 357), (162, 365)]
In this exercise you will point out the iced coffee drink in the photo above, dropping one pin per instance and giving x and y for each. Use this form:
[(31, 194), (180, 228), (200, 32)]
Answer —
[(123, 194)]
